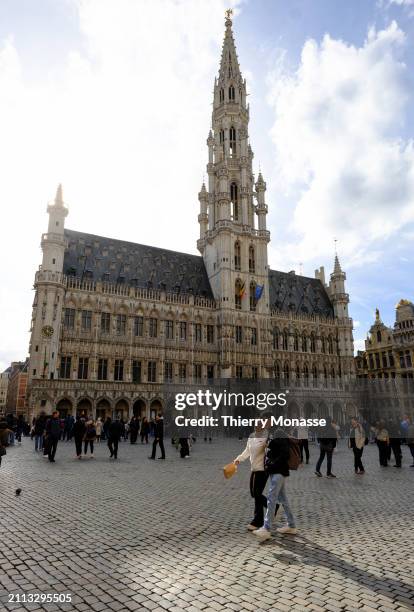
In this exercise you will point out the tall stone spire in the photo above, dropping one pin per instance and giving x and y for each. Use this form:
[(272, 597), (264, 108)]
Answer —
[(229, 64)]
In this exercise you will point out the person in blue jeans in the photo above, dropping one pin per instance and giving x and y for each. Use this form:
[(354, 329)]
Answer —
[(276, 464)]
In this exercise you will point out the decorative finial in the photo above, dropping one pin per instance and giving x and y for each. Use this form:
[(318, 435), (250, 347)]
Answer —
[(377, 314), (229, 14), (335, 243)]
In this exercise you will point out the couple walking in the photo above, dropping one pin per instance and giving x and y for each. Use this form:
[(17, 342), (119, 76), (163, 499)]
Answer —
[(269, 457)]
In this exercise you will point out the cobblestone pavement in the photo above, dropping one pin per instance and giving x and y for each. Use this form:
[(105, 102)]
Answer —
[(153, 535)]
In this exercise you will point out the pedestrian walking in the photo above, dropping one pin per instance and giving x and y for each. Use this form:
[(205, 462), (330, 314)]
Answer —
[(159, 437), (357, 437), (39, 427), (327, 438), (89, 437), (382, 440), (98, 427), (395, 441), (4, 438), (78, 431), (105, 427), (53, 435), (302, 434), (276, 464), (145, 428), (114, 435), (133, 430), (255, 451), (410, 439)]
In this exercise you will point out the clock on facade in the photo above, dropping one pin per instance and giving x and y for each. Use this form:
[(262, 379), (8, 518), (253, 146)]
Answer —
[(47, 331)]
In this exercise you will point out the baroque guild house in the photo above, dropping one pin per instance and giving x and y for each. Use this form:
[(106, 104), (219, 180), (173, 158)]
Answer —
[(114, 321)]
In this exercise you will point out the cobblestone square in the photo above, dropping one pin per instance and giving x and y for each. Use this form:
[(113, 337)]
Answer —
[(171, 535)]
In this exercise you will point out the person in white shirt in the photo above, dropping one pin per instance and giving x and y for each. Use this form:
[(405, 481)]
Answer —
[(255, 451)]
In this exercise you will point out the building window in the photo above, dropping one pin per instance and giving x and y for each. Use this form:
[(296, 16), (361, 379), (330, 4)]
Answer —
[(379, 336), (391, 359), (168, 370), (221, 139), (239, 334), (69, 320), (312, 343), (138, 326), (102, 369), (253, 337), (237, 256), (136, 371), (210, 372), (105, 322), (234, 201), (239, 371), (183, 330), (182, 372), (86, 320), (286, 373), (231, 93), (306, 375), (252, 296), (119, 369), (330, 345), (238, 294), (255, 372), (65, 366), (198, 332), (377, 360), (402, 360), (197, 372), (221, 95), (83, 368), (252, 262), (275, 338), (304, 343), (169, 329), (210, 334), (296, 342), (152, 371), (153, 328), (121, 325), (232, 139), (408, 361)]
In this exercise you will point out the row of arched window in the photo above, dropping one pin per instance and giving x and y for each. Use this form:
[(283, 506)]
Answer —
[(301, 342), (231, 93), (237, 258), (306, 373)]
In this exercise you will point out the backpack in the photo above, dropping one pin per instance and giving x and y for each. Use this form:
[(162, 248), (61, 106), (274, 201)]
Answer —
[(294, 460)]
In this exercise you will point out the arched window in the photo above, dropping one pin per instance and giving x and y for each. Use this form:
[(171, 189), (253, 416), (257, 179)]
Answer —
[(378, 336), (252, 263), (234, 199), (232, 138), (330, 345), (275, 338), (231, 93), (237, 257), (297, 372), (296, 342), (312, 343), (286, 372), (221, 95), (315, 376), (277, 370), (221, 140), (325, 375), (285, 339), (252, 296), (306, 375), (323, 344), (238, 294), (304, 343)]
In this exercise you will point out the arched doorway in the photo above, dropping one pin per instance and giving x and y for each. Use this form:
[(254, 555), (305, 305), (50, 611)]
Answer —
[(65, 407), (122, 409), (155, 408), (139, 408), (84, 407), (103, 409)]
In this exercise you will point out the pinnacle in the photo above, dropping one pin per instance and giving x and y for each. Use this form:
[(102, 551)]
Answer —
[(59, 195)]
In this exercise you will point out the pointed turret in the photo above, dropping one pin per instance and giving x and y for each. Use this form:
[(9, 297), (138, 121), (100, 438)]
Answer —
[(229, 63), (59, 196), (340, 298)]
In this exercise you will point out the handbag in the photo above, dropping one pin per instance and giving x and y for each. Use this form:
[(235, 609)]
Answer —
[(229, 470)]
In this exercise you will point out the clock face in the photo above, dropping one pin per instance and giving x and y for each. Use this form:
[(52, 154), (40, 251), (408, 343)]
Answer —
[(47, 331)]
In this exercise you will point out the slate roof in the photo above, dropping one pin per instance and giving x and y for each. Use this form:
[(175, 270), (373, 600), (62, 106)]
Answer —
[(116, 261)]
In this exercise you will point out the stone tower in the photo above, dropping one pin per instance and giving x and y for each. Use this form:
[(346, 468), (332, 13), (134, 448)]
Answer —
[(49, 296), (340, 301), (233, 236)]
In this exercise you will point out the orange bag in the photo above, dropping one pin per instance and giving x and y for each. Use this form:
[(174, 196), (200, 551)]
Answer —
[(229, 470)]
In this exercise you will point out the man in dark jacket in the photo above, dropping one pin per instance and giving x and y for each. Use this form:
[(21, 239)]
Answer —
[(114, 435), (78, 431), (159, 437), (394, 433), (53, 435), (327, 438), (276, 464)]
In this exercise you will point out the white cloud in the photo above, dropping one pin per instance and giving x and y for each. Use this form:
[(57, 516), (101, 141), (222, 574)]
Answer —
[(337, 120), (122, 124), (359, 345)]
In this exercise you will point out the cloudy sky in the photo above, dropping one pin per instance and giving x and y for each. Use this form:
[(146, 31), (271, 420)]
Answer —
[(113, 99)]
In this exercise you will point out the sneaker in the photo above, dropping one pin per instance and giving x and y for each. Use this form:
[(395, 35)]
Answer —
[(330, 475), (287, 529), (160, 457), (262, 533), (252, 527), (151, 457), (318, 474)]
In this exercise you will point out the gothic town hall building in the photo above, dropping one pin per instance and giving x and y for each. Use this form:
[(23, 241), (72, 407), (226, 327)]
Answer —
[(114, 321)]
